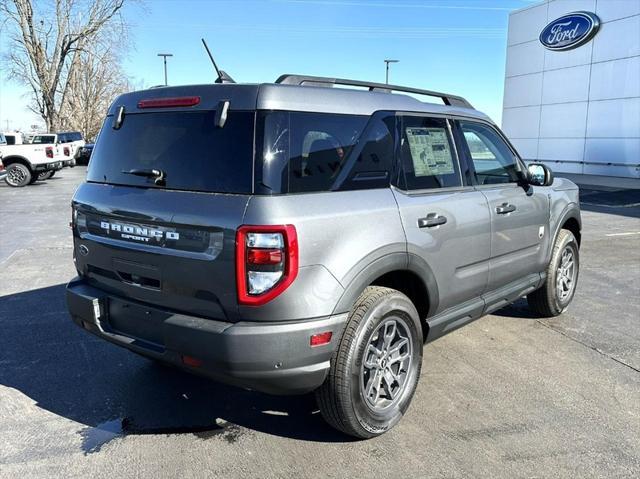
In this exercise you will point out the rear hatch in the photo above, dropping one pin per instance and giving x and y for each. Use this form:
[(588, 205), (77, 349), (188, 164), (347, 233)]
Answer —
[(166, 190)]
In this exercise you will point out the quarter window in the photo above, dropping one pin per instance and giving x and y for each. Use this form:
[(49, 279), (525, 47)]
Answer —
[(311, 152), (427, 154), (493, 160)]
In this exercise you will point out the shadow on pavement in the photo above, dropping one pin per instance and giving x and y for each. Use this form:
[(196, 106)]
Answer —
[(622, 202), (73, 374)]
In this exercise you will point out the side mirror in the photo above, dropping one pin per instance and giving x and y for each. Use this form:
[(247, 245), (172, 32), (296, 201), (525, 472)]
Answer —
[(539, 175)]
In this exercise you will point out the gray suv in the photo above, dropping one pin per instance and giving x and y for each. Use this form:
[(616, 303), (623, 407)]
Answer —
[(299, 236)]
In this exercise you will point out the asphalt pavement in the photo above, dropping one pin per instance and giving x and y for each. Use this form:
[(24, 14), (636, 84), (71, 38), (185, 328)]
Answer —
[(508, 396)]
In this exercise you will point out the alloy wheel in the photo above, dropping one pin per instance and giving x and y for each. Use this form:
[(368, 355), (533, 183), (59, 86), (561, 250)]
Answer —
[(566, 274), (15, 176), (386, 364)]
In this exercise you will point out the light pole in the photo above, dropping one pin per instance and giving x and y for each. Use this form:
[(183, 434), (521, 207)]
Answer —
[(387, 69), (164, 57)]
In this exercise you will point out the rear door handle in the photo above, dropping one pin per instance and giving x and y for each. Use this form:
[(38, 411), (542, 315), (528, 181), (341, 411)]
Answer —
[(431, 220), (505, 208)]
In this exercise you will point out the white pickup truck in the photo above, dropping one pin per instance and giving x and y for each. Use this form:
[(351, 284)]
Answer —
[(25, 161), (69, 142)]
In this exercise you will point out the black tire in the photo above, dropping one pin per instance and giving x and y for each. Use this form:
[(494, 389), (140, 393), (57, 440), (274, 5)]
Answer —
[(342, 398), (46, 175), (18, 175), (553, 297)]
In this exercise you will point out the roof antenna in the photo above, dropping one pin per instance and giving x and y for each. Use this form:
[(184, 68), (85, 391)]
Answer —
[(222, 75)]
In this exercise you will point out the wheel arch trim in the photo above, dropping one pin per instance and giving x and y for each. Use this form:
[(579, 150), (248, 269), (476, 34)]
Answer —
[(386, 264)]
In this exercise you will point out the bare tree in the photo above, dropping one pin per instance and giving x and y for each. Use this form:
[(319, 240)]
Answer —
[(47, 45), (90, 88)]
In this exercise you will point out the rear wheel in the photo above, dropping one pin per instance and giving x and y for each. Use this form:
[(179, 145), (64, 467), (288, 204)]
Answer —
[(18, 175), (555, 295), (46, 175), (375, 369)]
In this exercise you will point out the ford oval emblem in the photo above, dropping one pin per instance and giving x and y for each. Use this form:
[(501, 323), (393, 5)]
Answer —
[(570, 31)]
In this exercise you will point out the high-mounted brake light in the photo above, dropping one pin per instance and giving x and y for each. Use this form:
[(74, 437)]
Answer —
[(48, 151), (266, 262), (169, 102)]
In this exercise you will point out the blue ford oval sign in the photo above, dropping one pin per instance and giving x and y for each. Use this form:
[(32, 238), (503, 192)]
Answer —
[(570, 31)]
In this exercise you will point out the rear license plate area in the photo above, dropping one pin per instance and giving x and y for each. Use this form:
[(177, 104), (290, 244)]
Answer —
[(136, 321)]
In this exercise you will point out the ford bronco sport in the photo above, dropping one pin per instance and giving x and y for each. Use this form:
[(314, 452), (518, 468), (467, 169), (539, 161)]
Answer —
[(296, 237)]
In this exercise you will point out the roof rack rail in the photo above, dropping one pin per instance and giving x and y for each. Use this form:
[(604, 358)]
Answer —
[(300, 80)]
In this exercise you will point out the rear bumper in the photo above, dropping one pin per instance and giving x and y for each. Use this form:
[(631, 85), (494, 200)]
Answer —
[(54, 165), (275, 358), (70, 162)]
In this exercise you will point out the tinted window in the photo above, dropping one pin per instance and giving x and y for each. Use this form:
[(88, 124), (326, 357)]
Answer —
[(193, 153), (305, 152), (492, 158), (3, 140), (43, 140), (427, 154), (11, 140), (371, 161)]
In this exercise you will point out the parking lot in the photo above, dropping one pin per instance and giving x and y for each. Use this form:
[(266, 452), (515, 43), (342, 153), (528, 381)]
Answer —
[(508, 396)]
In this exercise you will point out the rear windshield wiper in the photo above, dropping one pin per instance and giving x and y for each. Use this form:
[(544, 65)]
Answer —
[(158, 176)]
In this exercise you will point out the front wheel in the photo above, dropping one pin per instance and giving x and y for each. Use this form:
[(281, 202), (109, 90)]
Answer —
[(375, 369), (555, 295), (18, 175)]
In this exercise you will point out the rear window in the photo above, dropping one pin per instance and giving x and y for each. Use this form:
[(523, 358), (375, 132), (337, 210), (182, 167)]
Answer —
[(43, 140), (187, 147)]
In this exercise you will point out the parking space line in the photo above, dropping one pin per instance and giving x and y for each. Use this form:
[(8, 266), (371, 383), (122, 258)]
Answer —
[(624, 234)]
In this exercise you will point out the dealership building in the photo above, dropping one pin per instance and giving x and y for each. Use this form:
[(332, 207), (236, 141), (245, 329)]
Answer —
[(572, 87)]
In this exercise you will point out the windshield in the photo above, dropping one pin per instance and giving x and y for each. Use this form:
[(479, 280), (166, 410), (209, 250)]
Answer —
[(192, 152)]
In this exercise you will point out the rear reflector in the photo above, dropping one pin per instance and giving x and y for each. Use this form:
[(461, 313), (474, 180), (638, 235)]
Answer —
[(191, 361), (169, 102), (320, 339)]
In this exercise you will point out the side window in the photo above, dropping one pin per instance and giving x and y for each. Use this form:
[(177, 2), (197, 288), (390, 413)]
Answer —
[(371, 161), (319, 145), (491, 156), (427, 154), (313, 152)]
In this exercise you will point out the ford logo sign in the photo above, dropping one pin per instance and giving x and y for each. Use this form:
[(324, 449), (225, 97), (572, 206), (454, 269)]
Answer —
[(570, 31)]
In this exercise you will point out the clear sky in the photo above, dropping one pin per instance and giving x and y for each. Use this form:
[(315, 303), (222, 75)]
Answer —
[(456, 46)]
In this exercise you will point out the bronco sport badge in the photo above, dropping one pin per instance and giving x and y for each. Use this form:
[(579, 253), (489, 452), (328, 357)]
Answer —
[(138, 233)]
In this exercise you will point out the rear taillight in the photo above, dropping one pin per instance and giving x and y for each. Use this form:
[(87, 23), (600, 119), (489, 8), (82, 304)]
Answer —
[(48, 151), (66, 151), (266, 262)]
